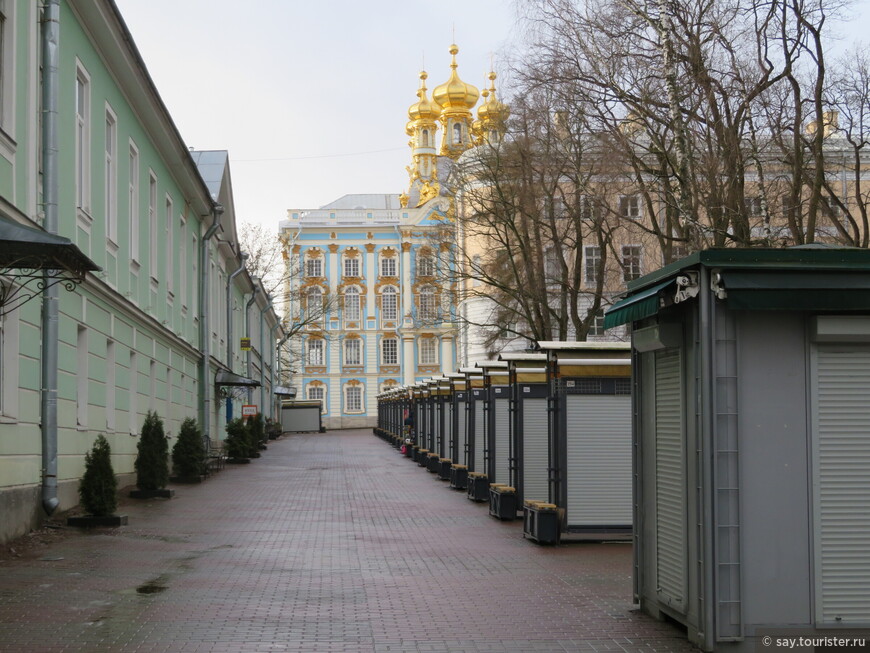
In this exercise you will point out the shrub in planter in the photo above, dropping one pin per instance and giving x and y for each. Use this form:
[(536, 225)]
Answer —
[(237, 443), (152, 461), (188, 454), (98, 487), (257, 432)]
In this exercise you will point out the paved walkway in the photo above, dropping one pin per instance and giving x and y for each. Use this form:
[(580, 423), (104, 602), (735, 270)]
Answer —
[(329, 542)]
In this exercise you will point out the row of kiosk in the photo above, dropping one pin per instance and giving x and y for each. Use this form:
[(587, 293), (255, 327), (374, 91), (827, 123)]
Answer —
[(545, 434)]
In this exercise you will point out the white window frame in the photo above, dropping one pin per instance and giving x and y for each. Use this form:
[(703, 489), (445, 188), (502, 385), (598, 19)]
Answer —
[(312, 266), (81, 373), (83, 139), (630, 253), (317, 393), (426, 266), (152, 225), (752, 205), (352, 304), (389, 351), (596, 328), (314, 295), (591, 264), (428, 351), (110, 189), (353, 399), (388, 266), (314, 352), (630, 207), (353, 351), (390, 309), (351, 266), (133, 202), (428, 304), (182, 268), (7, 74), (169, 244)]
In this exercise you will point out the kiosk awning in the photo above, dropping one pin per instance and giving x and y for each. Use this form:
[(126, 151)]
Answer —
[(635, 307)]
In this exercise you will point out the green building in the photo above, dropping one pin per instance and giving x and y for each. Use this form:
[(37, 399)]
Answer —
[(88, 151)]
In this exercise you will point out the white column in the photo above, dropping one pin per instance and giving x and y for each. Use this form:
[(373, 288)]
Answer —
[(371, 277), (409, 362), (448, 361), (407, 297)]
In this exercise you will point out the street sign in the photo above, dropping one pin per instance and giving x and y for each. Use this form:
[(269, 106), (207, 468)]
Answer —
[(245, 344), (249, 410)]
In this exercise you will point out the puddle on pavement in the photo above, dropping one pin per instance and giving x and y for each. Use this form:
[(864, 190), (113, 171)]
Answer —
[(152, 587)]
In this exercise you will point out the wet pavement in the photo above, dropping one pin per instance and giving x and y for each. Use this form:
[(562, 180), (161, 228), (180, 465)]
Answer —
[(329, 542)]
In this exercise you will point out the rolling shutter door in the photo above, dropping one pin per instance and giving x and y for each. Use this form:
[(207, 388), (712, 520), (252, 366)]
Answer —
[(536, 451), (479, 435), (501, 413), (460, 433), (598, 460), (842, 497), (670, 474)]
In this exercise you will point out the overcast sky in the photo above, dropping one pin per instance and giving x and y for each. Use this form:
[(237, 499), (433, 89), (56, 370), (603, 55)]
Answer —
[(310, 97)]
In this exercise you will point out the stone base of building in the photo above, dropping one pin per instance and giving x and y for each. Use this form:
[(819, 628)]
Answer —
[(335, 423), (22, 511)]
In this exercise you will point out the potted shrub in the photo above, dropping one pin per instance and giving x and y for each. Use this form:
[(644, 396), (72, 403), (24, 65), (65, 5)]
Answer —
[(188, 454), (98, 489), (237, 444), (152, 460), (257, 435)]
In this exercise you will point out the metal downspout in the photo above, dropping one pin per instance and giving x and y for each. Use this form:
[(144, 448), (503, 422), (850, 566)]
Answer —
[(244, 257), (204, 325), (50, 183), (705, 512), (248, 334), (262, 357)]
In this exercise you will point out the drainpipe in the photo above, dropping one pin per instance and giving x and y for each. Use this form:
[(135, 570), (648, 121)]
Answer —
[(48, 400), (244, 257), (248, 334), (262, 357), (204, 325)]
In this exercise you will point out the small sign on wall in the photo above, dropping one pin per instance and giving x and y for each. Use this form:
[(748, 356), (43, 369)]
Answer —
[(249, 410), (245, 344)]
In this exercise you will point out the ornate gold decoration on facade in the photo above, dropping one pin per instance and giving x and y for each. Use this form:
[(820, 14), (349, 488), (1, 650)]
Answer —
[(295, 249), (428, 191), (317, 369), (389, 369), (333, 248), (313, 252), (403, 200), (351, 252), (370, 247), (353, 382), (406, 247)]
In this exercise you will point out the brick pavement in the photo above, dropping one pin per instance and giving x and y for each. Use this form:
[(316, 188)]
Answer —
[(330, 542)]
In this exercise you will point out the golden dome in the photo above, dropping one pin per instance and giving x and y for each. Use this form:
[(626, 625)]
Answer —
[(492, 109), (454, 93), (423, 109)]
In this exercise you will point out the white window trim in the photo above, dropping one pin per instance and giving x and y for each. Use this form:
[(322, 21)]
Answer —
[(362, 402), (587, 278), (321, 399), (310, 346), (133, 187), (358, 310), (110, 190), (152, 225), (169, 246), (395, 310), (429, 342), (348, 345), (83, 145), (639, 261), (7, 79), (388, 260), (627, 213), (351, 262), (383, 357)]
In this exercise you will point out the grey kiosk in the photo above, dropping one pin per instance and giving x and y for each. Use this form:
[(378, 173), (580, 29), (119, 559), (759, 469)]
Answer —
[(752, 442)]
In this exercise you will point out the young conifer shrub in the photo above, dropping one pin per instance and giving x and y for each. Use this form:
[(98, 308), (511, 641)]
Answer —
[(188, 453), (257, 432), (152, 460), (238, 442), (98, 487)]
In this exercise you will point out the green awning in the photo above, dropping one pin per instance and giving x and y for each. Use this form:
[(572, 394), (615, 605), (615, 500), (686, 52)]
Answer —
[(797, 291), (635, 307)]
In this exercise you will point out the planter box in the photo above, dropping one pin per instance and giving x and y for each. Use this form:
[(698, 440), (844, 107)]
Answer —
[(92, 521), (434, 463), (541, 522), (160, 493), (444, 465), (477, 486), (502, 501), (458, 477), (422, 457), (186, 480)]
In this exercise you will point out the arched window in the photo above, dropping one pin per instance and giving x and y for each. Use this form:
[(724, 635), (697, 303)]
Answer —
[(389, 304), (457, 132), (351, 304), (424, 138), (427, 304)]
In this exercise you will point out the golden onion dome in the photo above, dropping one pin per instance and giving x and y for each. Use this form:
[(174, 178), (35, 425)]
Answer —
[(423, 109), (492, 109), (454, 93)]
